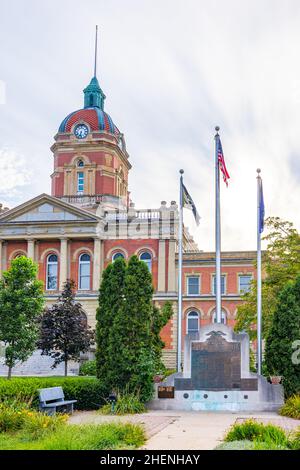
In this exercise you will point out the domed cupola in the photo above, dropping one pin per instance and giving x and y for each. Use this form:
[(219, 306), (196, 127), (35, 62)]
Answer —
[(92, 114), (91, 162)]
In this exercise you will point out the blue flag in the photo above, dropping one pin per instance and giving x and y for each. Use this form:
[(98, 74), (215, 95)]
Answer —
[(261, 207)]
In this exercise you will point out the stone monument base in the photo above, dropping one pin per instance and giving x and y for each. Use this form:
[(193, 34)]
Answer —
[(268, 397), (216, 376)]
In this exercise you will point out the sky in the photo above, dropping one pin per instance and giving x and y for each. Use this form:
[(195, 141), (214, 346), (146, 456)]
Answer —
[(171, 72)]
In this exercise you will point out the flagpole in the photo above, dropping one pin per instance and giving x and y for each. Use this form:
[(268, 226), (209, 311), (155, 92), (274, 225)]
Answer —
[(218, 232), (180, 232), (259, 338)]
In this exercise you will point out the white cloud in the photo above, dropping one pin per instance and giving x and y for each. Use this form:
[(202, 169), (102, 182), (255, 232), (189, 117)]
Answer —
[(171, 71), (14, 176)]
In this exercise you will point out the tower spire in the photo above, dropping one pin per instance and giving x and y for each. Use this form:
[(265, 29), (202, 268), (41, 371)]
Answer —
[(96, 47), (93, 95)]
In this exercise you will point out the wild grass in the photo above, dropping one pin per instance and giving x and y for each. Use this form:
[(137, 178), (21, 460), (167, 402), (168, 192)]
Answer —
[(291, 408), (127, 403)]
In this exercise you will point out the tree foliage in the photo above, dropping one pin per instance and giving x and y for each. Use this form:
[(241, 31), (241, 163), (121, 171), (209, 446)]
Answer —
[(21, 302), (280, 355), (128, 328), (280, 264), (64, 332)]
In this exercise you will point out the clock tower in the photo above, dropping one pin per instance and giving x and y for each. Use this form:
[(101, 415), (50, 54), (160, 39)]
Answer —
[(91, 163)]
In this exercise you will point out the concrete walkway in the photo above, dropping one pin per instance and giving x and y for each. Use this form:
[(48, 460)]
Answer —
[(184, 430)]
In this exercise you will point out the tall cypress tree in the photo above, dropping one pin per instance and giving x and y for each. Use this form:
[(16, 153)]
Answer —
[(283, 337), (111, 297), (128, 329), (131, 345)]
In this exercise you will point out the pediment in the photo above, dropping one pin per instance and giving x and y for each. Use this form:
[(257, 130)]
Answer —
[(46, 208)]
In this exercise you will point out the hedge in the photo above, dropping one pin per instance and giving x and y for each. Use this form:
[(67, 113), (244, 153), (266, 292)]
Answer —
[(88, 368), (88, 391)]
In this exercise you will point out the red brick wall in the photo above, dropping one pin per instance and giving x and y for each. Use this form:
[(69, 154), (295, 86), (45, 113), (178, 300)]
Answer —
[(77, 248), (45, 248), (14, 248), (134, 247)]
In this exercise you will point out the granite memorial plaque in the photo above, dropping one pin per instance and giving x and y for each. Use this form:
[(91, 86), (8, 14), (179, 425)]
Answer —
[(216, 363)]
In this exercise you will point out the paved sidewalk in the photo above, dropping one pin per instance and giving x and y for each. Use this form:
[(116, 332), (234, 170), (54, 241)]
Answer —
[(184, 430)]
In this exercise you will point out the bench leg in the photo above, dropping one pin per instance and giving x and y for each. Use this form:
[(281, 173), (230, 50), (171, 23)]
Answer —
[(50, 411), (70, 408)]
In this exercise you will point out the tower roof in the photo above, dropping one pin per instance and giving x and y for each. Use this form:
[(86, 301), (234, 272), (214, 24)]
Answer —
[(95, 117)]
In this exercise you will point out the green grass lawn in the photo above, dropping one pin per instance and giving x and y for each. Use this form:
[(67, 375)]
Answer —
[(73, 437)]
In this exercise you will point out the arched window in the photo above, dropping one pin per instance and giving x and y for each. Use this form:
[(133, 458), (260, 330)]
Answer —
[(147, 258), (84, 273), (80, 163), (117, 255), (223, 317), (193, 322), (51, 273)]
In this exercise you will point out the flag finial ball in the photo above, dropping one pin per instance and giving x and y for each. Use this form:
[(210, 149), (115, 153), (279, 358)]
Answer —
[(181, 171), (217, 128), (258, 170)]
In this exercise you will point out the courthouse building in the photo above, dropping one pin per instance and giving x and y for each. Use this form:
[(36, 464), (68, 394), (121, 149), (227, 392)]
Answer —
[(89, 220)]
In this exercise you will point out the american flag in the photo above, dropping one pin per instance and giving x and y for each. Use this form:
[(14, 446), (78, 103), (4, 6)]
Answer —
[(221, 161)]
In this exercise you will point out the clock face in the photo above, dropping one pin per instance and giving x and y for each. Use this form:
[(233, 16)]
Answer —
[(81, 131)]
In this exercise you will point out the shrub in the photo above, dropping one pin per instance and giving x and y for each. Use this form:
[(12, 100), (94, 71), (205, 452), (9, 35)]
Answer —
[(284, 331), (88, 391), (236, 445), (14, 418), (295, 440), (127, 403), (88, 368), (74, 437), (258, 432), (94, 437), (291, 407), (36, 424)]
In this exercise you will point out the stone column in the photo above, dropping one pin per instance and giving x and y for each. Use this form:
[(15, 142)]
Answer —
[(30, 248), (161, 285), (63, 271), (96, 264), (172, 267)]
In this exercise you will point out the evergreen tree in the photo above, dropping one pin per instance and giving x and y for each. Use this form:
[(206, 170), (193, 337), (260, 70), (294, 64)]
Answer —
[(111, 297), (131, 343), (283, 335), (21, 302), (128, 329), (64, 332)]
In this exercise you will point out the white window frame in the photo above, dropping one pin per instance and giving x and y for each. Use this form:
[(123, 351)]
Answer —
[(80, 263), (187, 321), (147, 262), (47, 273), (213, 284), (80, 184), (239, 282), (187, 285)]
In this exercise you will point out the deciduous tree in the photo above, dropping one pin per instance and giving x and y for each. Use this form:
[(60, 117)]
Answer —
[(21, 302)]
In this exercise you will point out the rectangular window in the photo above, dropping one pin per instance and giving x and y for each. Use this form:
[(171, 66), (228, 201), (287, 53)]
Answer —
[(80, 182), (244, 283), (223, 285), (84, 276), (193, 285), (52, 276)]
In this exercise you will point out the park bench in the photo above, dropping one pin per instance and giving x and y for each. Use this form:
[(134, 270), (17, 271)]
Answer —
[(53, 398)]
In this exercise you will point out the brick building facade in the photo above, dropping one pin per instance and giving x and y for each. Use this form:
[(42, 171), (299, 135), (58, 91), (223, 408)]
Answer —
[(89, 220)]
